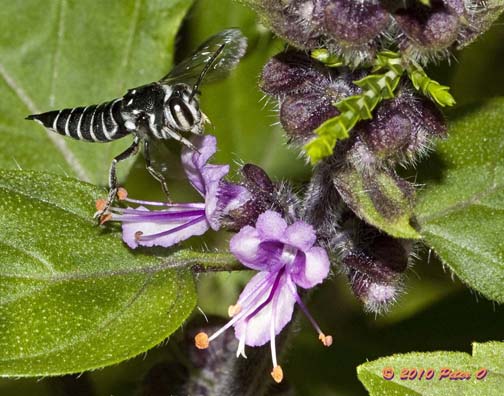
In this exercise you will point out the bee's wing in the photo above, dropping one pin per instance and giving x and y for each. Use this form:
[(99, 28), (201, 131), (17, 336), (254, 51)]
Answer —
[(227, 47)]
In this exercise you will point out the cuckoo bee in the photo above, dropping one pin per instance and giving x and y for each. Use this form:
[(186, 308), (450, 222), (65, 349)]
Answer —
[(165, 109)]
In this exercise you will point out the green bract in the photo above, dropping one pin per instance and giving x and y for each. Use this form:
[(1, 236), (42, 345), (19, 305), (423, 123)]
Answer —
[(461, 208), (380, 199)]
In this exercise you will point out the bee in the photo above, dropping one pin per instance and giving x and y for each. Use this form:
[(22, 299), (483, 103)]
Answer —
[(165, 109)]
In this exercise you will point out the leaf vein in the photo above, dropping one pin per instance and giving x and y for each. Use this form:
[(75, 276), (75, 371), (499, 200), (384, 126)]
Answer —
[(32, 254), (58, 141)]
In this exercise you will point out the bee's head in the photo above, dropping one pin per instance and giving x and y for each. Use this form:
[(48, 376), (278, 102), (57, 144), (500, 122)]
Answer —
[(182, 111)]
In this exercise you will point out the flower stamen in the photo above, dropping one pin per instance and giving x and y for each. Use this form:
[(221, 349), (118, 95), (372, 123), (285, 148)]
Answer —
[(253, 304), (325, 339), (273, 335)]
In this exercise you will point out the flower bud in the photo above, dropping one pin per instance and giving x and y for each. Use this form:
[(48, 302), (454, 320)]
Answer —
[(375, 267), (292, 20), (306, 91), (292, 71), (400, 131), (353, 23), (301, 114), (429, 27), (357, 29), (263, 195)]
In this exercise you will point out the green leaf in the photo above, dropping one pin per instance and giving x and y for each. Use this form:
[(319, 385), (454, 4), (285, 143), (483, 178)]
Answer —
[(461, 208), (73, 297), (380, 198), (485, 356), (63, 54)]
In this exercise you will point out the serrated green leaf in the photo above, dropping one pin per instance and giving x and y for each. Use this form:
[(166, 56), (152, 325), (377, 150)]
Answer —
[(379, 199), (485, 356), (462, 214), (73, 297), (64, 54)]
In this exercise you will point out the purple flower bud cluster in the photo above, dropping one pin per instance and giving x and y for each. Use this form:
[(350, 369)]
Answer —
[(356, 30), (400, 131)]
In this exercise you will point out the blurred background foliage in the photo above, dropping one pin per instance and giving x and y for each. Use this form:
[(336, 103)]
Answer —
[(435, 312)]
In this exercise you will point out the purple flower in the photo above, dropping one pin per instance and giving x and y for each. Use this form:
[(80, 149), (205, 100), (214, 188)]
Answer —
[(285, 257), (174, 222)]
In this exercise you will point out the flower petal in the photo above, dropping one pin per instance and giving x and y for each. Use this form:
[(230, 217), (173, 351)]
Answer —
[(223, 197), (211, 176), (300, 235), (195, 161), (270, 256), (258, 326), (245, 246), (186, 228), (311, 269), (271, 225)]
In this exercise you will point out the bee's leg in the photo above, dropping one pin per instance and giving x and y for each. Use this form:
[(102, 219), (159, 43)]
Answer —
[(131, 150), (154, 173), (181, 139)]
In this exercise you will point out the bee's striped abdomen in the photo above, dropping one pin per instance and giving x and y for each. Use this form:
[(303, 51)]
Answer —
[(96, 123)]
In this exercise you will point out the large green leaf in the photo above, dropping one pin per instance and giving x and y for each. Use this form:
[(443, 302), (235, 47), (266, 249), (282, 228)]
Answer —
[(69, 53), (72, 296), (485, 356), (461, 209)]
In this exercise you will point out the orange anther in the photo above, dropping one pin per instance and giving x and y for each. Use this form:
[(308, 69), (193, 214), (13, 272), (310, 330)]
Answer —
[(122, 194), (326, 340), (101, 204), (201, 340), (277, 374)]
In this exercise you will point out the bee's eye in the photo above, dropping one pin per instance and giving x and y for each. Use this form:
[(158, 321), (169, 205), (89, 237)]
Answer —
[(181, 113)]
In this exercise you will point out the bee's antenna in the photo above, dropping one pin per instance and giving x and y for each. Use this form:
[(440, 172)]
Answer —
[(205, 71)]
